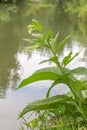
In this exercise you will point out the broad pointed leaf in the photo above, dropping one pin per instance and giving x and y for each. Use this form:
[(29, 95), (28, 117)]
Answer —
[(80, 71), (48, 103), (48, 69), (49, 73)]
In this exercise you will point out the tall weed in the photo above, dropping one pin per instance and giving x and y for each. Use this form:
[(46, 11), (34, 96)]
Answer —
[(61, 112)]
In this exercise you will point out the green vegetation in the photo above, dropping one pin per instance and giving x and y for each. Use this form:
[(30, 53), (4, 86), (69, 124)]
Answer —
[(67, 111), (66, 16), (10, 1)]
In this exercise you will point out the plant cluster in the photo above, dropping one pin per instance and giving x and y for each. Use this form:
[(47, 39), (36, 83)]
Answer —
[(60, 112)]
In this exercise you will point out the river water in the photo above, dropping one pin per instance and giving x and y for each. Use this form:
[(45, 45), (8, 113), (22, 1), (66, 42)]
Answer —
[(16, 64)]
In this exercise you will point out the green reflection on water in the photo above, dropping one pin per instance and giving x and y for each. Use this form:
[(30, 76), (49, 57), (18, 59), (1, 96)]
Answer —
[(14, 20)]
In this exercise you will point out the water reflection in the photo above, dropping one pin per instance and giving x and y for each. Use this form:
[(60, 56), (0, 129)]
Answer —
[(9, 44), (15, 64), (13, 28)]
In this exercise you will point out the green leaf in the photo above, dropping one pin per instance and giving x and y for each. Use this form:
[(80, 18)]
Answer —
[(37, 35), (33, 41), (49, 36), (54, 83), (37, 25), (74, 56), (69, 58), (48, 103), (55, 39), (61, 44), (52, 59), (49, 73), (53, 42), (43, 40), (49, 69), (31, 48), (80, 71), (79, 86)]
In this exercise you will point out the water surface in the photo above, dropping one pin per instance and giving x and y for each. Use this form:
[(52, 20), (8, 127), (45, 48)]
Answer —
[(16, 65)]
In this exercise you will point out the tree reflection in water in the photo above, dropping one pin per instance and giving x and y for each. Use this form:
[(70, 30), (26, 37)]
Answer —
[(13, 29)]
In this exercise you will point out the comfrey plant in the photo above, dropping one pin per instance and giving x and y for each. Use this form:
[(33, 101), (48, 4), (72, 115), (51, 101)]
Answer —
[(67, 111)]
